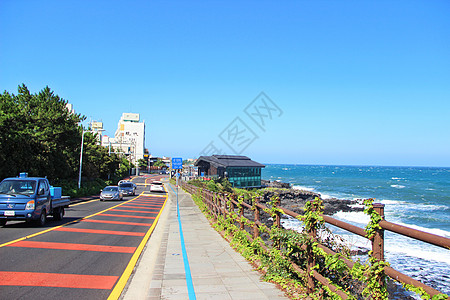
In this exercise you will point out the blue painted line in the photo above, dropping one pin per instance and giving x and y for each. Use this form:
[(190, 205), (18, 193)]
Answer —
[(187, 269)]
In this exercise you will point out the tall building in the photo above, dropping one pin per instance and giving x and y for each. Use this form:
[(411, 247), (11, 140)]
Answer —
[(130, 137), (97, 129)]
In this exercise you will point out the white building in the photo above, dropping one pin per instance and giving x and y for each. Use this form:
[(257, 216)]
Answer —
[(130, 137), (97, 129)]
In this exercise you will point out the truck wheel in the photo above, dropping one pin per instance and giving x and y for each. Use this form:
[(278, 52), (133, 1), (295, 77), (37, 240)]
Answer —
[(59, 214), (43, 218), (3, 222)]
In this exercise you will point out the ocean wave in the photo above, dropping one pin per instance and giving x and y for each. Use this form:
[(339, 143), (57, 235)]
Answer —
[(352, 216), (430, 207), (394, 244), (397, 186), (357, 205), (392, 202), (436, 231), (397, 205), (325, 196), (415, 251), (289, 222), (397, 178), (303, 188)]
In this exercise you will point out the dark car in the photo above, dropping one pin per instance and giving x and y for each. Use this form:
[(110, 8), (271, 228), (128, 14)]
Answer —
[(128, 188)]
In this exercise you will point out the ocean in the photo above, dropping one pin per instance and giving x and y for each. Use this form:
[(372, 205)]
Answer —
[(417, 197)]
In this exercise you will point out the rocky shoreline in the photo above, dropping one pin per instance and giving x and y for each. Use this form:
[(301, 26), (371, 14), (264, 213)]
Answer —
[(294, 199)]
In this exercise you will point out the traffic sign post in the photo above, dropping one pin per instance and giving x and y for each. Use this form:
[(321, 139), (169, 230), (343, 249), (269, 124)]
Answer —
[(177, 163)]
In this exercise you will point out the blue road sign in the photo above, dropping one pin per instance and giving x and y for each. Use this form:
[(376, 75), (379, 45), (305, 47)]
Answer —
[(177, 163)]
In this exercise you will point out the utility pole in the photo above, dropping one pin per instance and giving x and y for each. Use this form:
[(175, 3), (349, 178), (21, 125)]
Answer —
[(81, 157)]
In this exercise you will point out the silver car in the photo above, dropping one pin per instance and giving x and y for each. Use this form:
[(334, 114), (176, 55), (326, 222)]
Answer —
[(111, 193), (128, 188)]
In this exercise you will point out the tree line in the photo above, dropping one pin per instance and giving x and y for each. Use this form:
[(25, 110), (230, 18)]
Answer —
[(40, 136)]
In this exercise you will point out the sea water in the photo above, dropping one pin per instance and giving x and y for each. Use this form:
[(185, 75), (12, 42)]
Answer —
[(417, 197)]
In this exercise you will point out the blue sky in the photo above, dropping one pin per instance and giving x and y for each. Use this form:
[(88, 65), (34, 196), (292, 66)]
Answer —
[(356, 82)]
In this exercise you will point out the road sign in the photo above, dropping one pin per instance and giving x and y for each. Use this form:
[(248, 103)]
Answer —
[(177, 163)]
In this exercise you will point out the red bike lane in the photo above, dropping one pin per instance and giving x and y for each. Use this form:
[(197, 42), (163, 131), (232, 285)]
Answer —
[(89, 258)]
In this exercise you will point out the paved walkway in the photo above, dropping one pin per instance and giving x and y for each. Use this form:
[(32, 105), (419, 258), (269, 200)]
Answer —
[(218, 272)]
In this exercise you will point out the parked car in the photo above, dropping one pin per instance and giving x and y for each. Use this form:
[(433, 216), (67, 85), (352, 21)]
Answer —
[(111, 192), (157, 186), (128, 188)]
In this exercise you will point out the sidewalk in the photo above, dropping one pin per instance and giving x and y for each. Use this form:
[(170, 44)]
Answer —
[(218, 272)]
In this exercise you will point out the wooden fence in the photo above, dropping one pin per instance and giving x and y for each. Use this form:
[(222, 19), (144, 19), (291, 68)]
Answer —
[(222, 204)]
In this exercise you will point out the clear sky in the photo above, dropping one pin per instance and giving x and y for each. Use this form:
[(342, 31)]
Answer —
[(350, 82)]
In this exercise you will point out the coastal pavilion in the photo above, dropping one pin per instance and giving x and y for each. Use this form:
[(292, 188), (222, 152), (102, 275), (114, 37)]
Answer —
[(241, 171)]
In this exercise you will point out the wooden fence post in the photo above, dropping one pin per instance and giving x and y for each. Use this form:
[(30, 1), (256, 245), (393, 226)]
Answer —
[(231, 208), (241, 214), (311, 261), (214, 199), (255, 226), (278, 214), (378, 239), (225, 204), (204, 198), (220, 203)]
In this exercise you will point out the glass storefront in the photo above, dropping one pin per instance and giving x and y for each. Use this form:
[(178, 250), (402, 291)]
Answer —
[(244, 177)]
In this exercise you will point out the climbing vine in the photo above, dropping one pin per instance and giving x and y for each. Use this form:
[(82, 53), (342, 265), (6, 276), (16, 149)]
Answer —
[(375, 218), (289, 247)]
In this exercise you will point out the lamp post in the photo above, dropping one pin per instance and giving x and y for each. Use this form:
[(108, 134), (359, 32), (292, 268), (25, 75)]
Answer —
[(81, 157)]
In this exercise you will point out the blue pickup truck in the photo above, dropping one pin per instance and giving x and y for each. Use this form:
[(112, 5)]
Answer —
[(30, 199)]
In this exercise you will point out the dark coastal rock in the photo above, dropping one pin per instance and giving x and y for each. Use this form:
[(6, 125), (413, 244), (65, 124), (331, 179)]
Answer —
[(275, 184), (295, 200)]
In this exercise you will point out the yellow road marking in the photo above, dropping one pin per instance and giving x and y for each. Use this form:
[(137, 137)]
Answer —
[(72, 222), (115, 294), (76, 204)]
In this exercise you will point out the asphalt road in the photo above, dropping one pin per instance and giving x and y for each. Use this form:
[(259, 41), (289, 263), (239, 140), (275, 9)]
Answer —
[(88, 255)]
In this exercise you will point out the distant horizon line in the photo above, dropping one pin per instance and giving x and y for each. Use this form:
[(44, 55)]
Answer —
[(358, 165)]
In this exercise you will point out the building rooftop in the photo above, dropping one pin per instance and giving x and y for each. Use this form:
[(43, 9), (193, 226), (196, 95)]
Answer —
[(229, 161)]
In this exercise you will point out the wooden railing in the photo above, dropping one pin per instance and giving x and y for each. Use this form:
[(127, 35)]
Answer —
[(222, 204)]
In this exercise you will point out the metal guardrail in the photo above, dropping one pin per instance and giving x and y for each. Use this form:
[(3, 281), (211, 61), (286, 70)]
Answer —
[(217, 203)]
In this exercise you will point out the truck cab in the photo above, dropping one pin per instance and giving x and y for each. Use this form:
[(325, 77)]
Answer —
[(29, 199)]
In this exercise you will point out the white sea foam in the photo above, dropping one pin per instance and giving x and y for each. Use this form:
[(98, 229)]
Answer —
[(430, 207), (289, 222), (397, 178), (396, 205), (435, 231), (357, 205), (357, 217), (392, 202), (302, 188), (397, 186), (354, 241), (325, 196), (417, 250), (394, 244)]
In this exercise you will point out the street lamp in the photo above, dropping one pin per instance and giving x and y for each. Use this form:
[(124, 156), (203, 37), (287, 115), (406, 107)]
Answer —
[(81, 157)]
